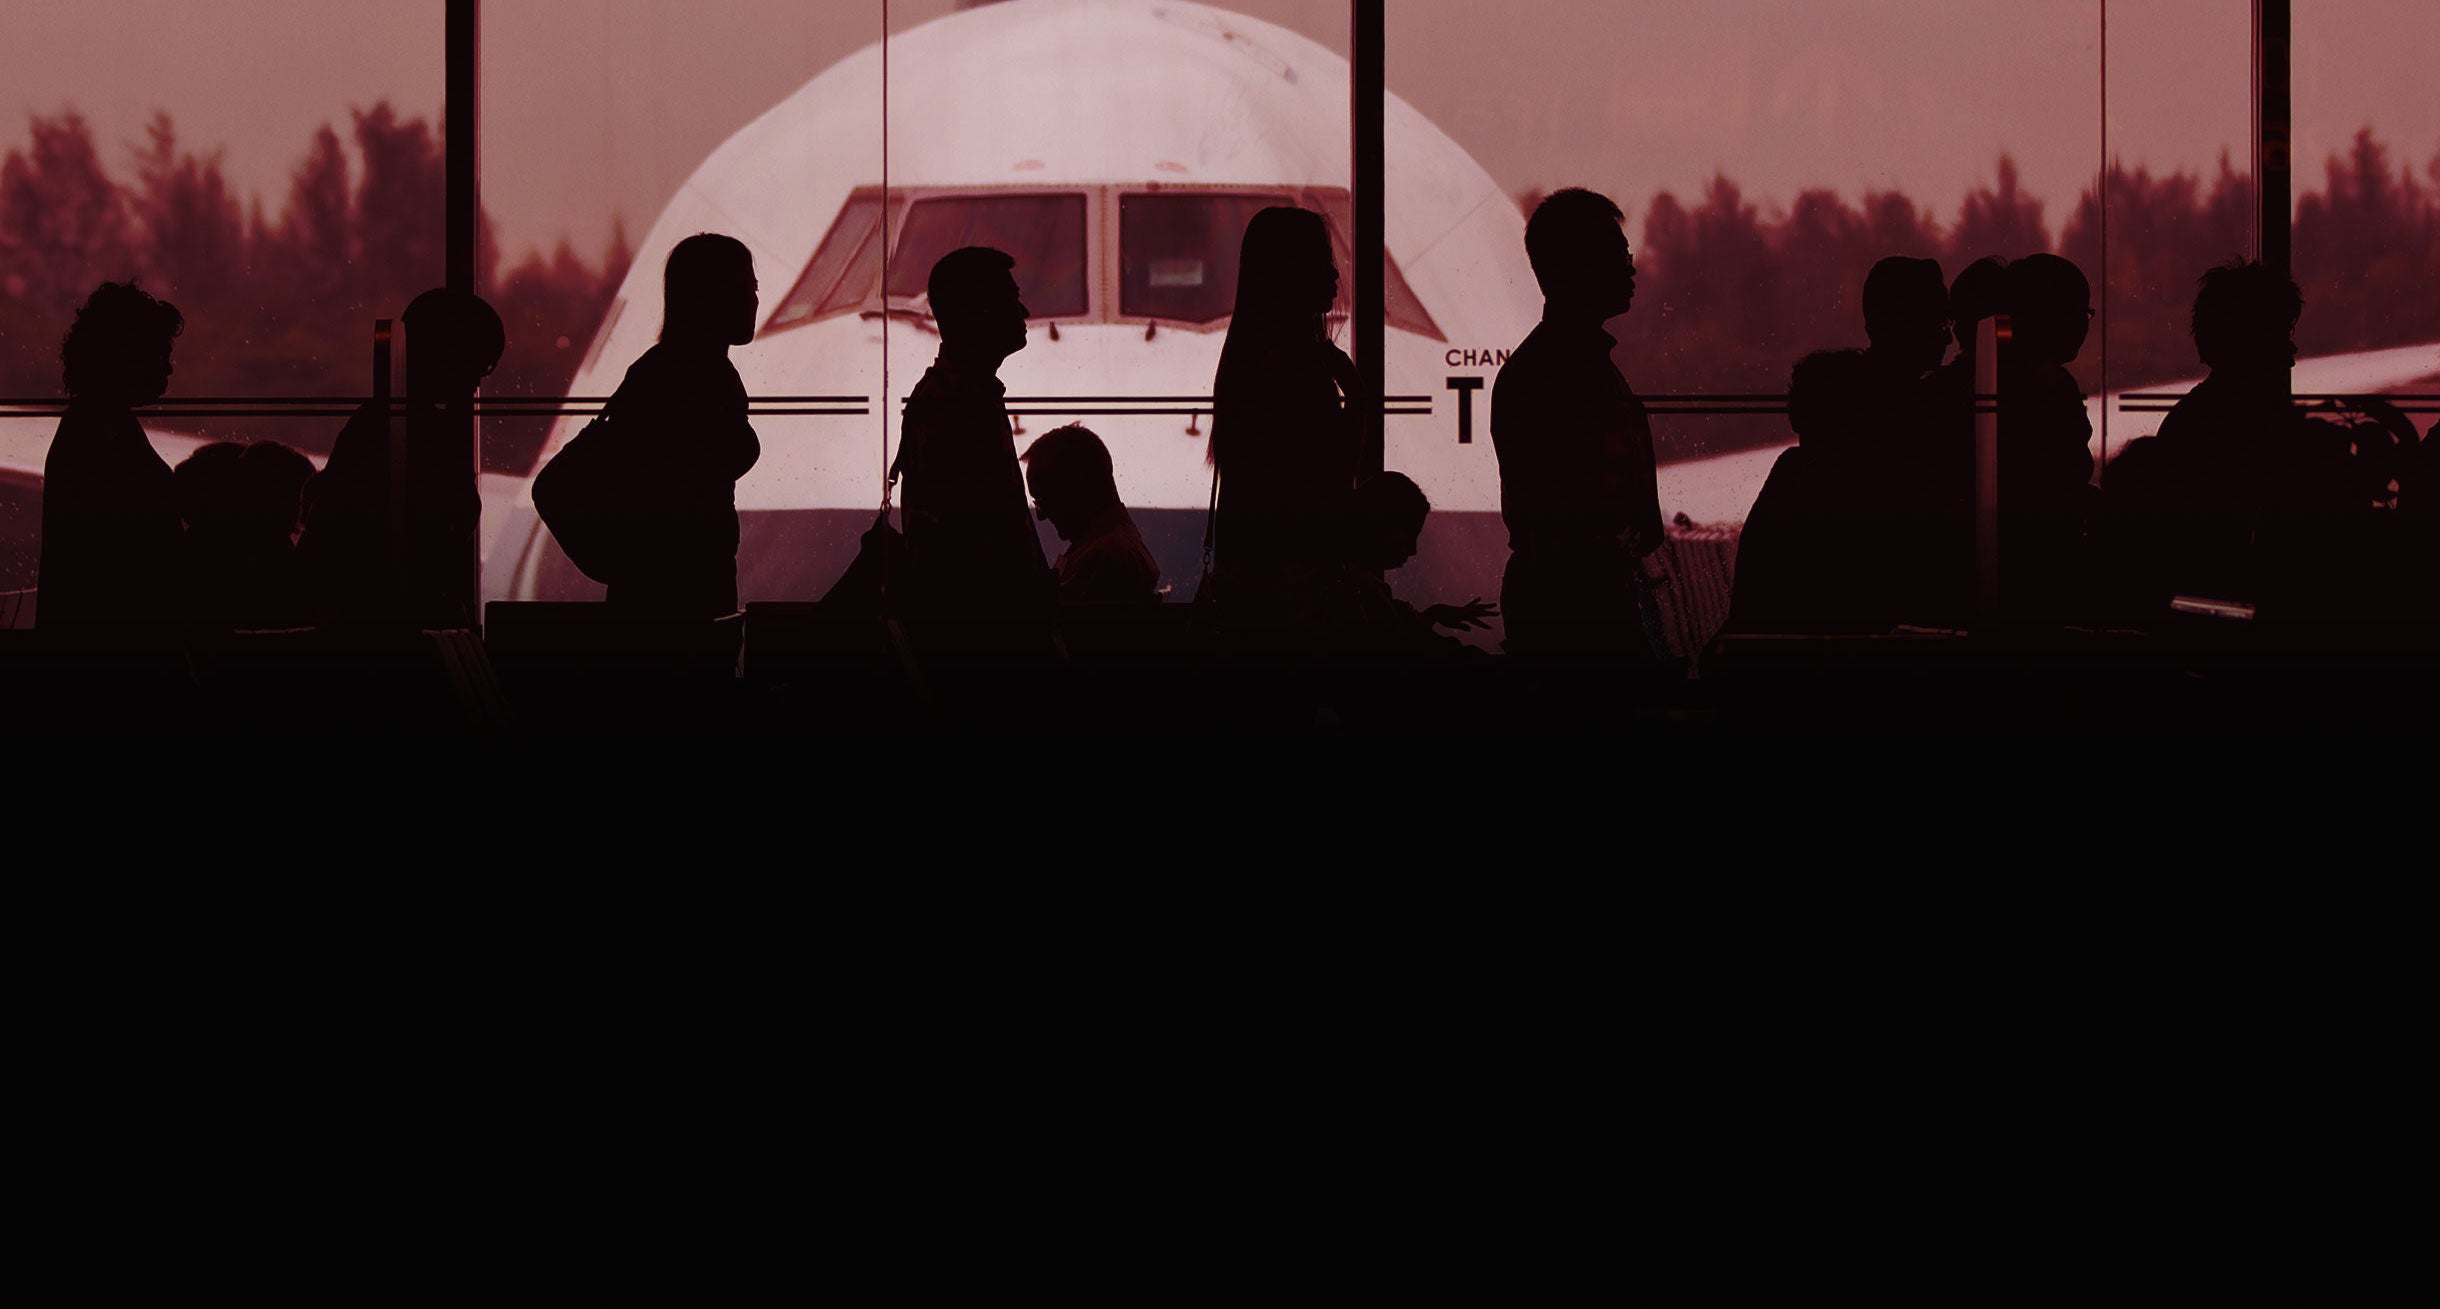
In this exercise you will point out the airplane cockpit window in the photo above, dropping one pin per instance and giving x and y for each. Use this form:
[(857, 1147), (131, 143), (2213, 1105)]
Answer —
[(843, 270), (1177, 253), (1043, 233), (1402, 309)]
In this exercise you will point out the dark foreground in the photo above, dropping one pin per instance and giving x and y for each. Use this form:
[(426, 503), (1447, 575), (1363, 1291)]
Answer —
[(791, 672)]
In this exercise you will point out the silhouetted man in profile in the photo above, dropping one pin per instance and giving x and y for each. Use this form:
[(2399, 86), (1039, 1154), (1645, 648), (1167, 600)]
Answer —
[(969, 531), (1076, 491), (2235, 499), (454, 340), (2045, 440), (1577, 488)]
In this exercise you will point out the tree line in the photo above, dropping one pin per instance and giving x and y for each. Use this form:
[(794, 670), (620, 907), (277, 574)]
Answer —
[(275, 306), (1729, 295)]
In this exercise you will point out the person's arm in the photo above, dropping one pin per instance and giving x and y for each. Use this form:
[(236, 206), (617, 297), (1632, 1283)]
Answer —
[(1631, 482)]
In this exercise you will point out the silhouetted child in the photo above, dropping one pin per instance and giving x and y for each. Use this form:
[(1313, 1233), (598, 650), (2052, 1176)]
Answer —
[(1076, 491), (345, 553), (111, 538), (970, 534), (2237, 498), (1578, 489), (1380, 529), (1283, 439), (243, 505)]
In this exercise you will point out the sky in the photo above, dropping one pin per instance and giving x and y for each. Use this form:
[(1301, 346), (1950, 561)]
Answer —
[(595, 108)]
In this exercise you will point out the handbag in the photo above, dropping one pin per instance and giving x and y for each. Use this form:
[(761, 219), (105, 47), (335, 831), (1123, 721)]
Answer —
[(589, 499)]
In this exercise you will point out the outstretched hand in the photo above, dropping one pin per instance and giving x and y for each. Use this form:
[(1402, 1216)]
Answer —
[(1461, 617)]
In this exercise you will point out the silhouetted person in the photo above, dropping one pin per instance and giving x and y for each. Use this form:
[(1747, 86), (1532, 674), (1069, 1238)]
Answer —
[(2045, 441), (1379, 531), (1923, 461), (679, 420), (1906, 316), (111, 539), (1834, 541), (1076, 492), (345, 553), (1283, 439), (1980, 292), (2238, 497), (243, 505), (970, 533), (1577, 480)]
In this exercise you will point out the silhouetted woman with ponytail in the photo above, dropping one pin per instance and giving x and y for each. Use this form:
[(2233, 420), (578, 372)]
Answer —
[(681, 415), (1283, 440)]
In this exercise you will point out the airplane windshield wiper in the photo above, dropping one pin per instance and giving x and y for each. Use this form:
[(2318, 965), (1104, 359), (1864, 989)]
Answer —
[(906, 313)]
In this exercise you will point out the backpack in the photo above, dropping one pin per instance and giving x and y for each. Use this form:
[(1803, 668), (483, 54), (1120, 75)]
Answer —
[(589, 498)]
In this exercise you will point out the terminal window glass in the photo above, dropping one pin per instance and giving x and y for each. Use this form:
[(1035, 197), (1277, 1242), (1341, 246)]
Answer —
[(1043, 233), (844, 268), (1178, 253), (1402, 310)]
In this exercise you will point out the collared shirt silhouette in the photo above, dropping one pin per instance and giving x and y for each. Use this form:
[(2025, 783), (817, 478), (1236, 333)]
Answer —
[(112, 541), (1578, 485), (970, 532)]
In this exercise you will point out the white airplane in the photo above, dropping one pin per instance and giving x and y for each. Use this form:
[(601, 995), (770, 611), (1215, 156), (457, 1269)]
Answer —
[(1117, 149)]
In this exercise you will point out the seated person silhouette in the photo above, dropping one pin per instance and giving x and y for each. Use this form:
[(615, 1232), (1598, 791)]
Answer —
[(2237, 498), (969, 532), (242, 505), (111, 539), (345, 553), (1578, 486), (1381, 528), (1832, 543), (1076, 492)]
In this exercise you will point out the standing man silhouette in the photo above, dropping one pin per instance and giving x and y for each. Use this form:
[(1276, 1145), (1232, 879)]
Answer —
[(970, 528), (1577, 487)]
